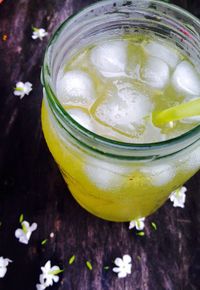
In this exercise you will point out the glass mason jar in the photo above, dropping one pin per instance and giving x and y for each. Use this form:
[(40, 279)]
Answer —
[(114, 180)]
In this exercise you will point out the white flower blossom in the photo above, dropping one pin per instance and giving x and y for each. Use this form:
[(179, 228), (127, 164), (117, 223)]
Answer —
[(48, 276), (22, 89), (39, 33), (138, 224), (24, 234), (178, 197), (3, 266), (123, 266)]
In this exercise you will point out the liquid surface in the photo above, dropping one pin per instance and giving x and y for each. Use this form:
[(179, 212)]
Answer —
[(112, 87)]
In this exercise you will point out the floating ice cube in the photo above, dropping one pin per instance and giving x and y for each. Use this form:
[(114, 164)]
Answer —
[(105, 175), (185, 79), (110, 58), (159, 174), (155, 73), (81, 117), (162, 51), (75, 88), (124, 110)]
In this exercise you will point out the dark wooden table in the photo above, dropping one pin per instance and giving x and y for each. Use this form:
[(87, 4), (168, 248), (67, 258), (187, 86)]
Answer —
[(30, 183)]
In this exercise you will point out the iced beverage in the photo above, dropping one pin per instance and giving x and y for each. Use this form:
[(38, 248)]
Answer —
[(97, 121)]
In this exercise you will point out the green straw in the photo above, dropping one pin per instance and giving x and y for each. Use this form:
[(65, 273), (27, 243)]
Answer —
[(185, 110)]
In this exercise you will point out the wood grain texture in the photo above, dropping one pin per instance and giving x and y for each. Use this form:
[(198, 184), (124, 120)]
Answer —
[(30, 183)]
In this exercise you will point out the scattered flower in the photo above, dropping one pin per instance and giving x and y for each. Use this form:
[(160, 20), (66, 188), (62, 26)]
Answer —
[(3, 266), (51, 235), (89, 265), (48, 276), (154, 226), (138, 224), (44, 242), (72, 259), (24, 234), (178, 197), (39, 33), (22, 89), (123, 266)]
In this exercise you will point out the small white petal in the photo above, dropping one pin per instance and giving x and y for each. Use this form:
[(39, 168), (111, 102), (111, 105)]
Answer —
[(55, 268), (24, 240), (122, 274), (18, 233), (55, 278), (17, 93), (127, 259), (40, 287), (34, 36), (33, 227), (116, 269), (118, 262), (131, 225), (20, 85), (46, 267), (128, 268), (3, 272)]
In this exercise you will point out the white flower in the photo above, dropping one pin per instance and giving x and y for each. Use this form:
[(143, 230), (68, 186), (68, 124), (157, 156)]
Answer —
[(39, 33), (3, 266), (22, 89), (48, 276), (24, 234), (123, 266), (178, 197), (139, 224)]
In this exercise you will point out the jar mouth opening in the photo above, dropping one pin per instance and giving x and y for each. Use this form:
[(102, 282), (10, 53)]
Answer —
[(58, 109)]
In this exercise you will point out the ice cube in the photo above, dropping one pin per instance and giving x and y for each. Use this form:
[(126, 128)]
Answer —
[(76, 88), (110, 58), (81, 117), (105, 175), (185, 79), (124, 109), (164, 52), (159, 175), (193, 160), (155, 73)]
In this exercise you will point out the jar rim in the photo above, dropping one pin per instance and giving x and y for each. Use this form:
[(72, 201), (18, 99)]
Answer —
[(53, 100)]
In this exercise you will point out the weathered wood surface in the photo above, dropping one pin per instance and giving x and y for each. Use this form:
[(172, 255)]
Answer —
[(30, 183)]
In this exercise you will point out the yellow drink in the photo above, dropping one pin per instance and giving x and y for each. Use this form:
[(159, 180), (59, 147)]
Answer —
[(117, 164)]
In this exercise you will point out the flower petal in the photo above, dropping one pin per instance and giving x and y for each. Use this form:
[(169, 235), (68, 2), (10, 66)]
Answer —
[(33, 227), (40, 287), (128, 269), (116, 269), (19, 233), (127, 259), (122, 274), (131, 225), (3, 271), (17, 93), (47, 266), (24, 240), (56, 278), (118, 262)]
